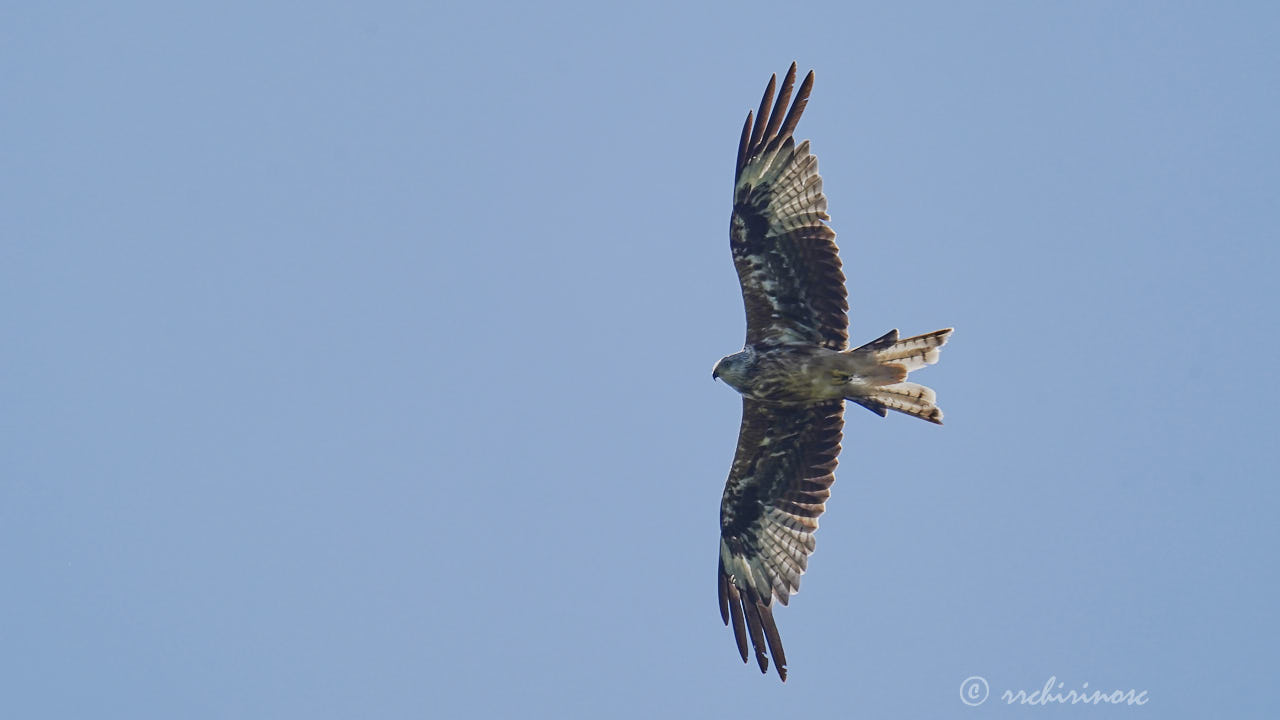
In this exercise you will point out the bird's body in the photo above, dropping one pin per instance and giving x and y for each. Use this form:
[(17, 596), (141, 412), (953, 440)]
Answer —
[(795, 373), (800, 374), (784, 374)]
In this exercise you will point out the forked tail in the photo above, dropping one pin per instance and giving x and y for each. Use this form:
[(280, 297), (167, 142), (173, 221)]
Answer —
[(881, 368)]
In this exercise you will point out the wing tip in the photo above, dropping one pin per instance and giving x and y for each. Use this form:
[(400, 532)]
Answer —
[(735, 613), (751, 618), (773, 126), (775, 641)]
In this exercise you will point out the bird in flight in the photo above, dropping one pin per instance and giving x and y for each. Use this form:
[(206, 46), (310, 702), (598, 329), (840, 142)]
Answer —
[(795, 372)]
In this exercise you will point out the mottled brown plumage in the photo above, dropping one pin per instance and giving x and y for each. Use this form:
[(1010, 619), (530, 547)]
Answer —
[(794, 372)]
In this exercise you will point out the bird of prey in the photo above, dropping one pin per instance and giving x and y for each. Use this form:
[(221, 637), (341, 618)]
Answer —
[(795, 372)]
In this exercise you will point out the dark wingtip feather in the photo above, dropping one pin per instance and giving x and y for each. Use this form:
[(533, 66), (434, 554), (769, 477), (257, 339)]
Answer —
[(767, 98), (722, 585), (744, 147), (775, 641), (739, 624), (756, 626), (798, 105), (784, 97), (773, 127), (779, 133)]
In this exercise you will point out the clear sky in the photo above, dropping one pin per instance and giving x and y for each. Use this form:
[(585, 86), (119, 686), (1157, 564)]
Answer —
[(356, 359)]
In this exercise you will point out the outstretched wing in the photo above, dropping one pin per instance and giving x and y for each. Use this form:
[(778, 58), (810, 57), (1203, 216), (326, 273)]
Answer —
[(785, 254), (778, 486)]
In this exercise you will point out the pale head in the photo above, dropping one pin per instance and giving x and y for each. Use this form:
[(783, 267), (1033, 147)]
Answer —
[(733, 369)]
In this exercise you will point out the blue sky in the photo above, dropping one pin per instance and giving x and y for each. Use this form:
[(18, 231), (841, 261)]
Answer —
[(357, 359)]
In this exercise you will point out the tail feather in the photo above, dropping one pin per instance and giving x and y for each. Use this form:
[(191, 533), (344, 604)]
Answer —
[(883, 386), (908, 397), (915, 352)]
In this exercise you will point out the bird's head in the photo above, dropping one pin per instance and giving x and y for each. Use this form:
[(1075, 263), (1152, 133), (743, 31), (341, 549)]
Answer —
[(732, 369)]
